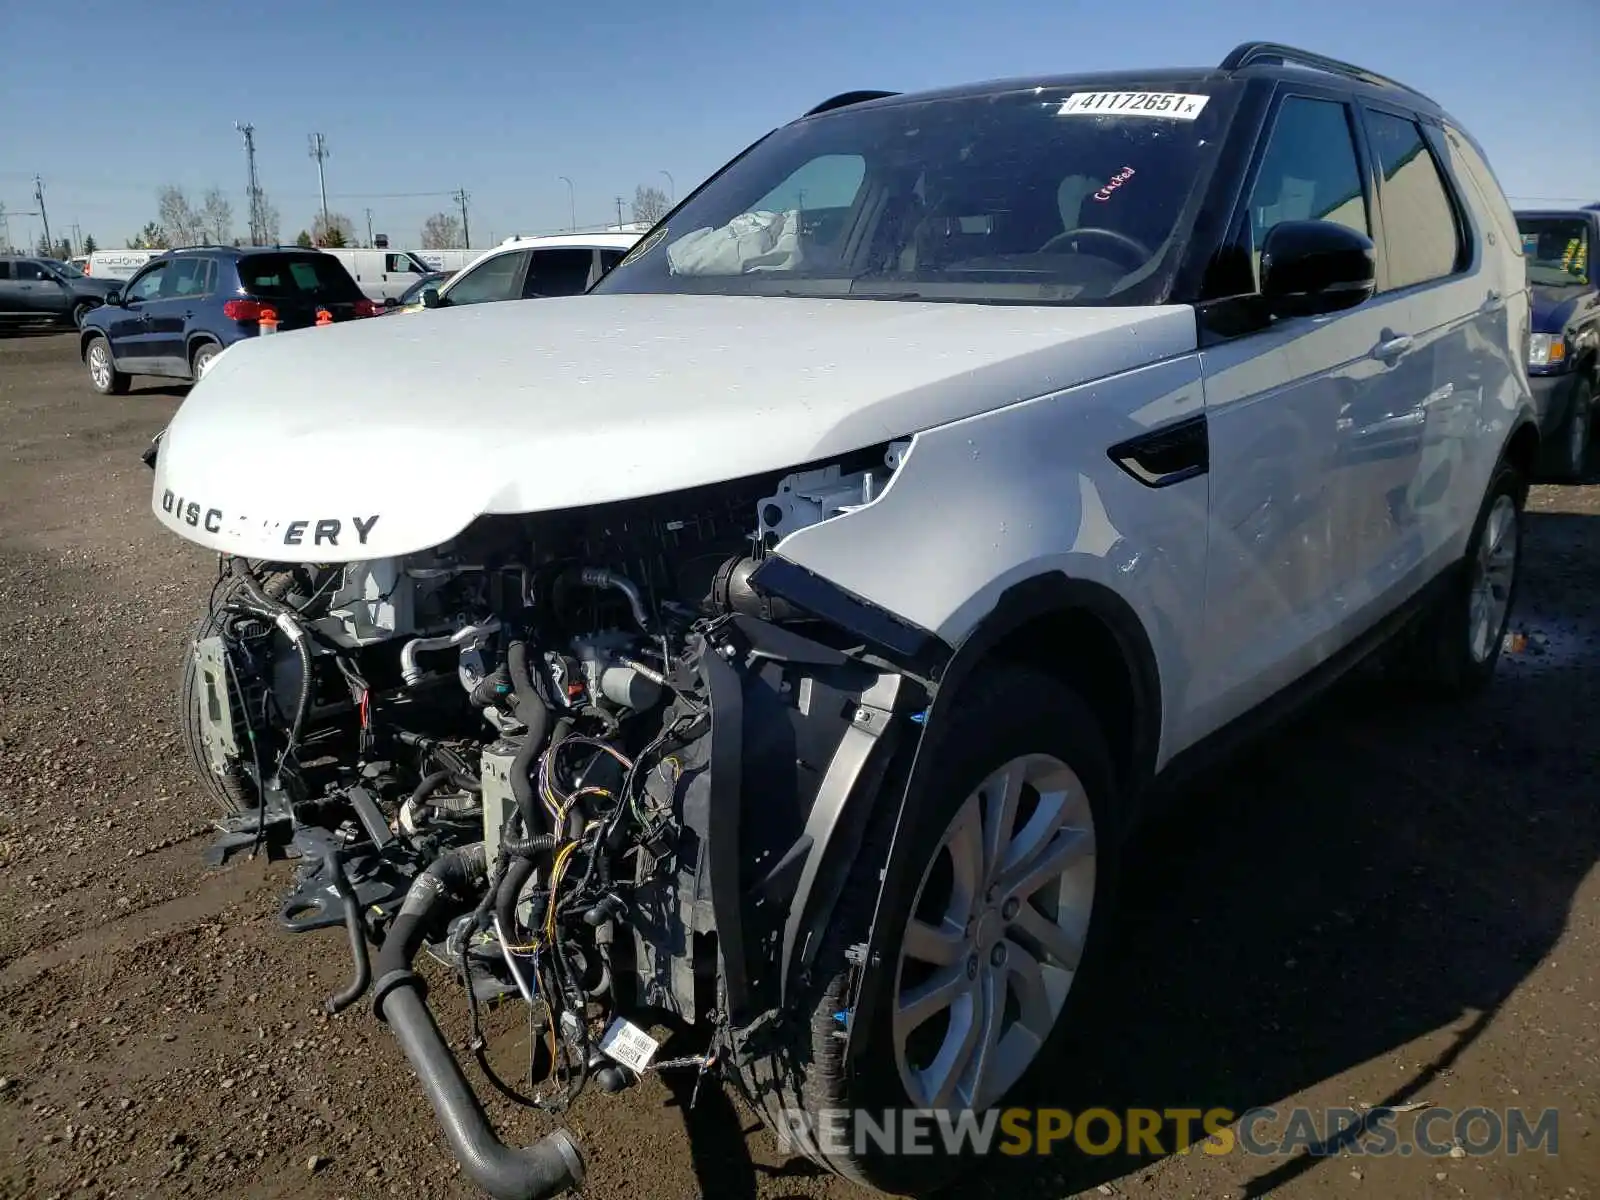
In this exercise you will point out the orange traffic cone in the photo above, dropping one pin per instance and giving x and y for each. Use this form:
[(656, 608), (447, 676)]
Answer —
[(269, 320), (324, 317)]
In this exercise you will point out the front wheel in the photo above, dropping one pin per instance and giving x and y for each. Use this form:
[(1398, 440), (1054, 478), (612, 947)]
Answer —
[(103, 373), (80, 310), (1013, 864)]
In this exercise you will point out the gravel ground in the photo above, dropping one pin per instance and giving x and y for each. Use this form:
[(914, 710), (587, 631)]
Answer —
[(1388, 903)]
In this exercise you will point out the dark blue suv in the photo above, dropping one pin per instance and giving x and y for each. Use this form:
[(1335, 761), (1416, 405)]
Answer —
[(1564, 357), (186, 306)]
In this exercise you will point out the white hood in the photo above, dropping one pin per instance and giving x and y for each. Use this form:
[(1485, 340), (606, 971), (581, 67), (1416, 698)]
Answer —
[(392, 434)]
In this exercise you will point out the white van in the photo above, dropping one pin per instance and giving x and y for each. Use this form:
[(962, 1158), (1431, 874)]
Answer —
[(381, 274), (118, 264)]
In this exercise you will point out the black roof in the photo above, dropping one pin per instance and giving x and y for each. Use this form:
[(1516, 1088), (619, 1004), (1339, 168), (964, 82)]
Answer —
[(1249, 60), (278, 249)]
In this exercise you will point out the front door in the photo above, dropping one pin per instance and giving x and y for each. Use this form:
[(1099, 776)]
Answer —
[(37, 291), (1287, 407), (170, 313)]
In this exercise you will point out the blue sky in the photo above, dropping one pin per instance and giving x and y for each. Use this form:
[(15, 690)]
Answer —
[(107, 101)]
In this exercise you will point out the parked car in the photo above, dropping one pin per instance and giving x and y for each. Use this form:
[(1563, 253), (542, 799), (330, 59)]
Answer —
[(187, 306), (526, 268), (381, 274), (835, 586), (412, 296), (1564, 351), (46, 289)]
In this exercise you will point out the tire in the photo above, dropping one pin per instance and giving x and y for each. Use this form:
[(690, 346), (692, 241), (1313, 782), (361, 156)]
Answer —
[(103, 374), (233, 791), (1009, 714), (1577, 433), (1459, 642), (80, 310), (203, 354)]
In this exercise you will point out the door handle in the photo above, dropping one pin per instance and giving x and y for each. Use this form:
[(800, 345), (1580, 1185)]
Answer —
[(1392, 346), (1168, 455)]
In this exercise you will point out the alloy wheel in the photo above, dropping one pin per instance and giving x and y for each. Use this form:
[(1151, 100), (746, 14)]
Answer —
[(995, 936), (1494, 570)]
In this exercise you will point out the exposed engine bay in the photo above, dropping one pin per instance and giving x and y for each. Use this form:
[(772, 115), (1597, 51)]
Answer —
[(594, 762)]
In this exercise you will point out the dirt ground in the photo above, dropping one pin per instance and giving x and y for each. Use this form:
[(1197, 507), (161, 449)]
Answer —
[(1390, 903)]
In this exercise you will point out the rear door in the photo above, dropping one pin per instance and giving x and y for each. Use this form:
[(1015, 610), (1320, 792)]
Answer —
[(1427, 266), (1286, 401), (171, 313), (129, 326), (560, 271), (296, 283)]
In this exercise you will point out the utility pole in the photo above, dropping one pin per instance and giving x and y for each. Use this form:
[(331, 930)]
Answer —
[(77, 238), (38, 194), (369, 229), (319, 151), (461, 197), (258, 222), (619, 212), (672, 192)]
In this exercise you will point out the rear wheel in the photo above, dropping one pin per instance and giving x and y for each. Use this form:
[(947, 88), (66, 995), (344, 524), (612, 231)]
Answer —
[(201, 359), (1459, 643), (1014, 867), (103, 374), (1579, 430)]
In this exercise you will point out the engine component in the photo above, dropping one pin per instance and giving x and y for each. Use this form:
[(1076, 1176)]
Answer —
[(611, 672), (809, 497), (468, 637)]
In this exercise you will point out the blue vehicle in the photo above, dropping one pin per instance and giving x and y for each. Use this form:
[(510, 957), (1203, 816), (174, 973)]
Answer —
[(186, 306), (1564, 350)]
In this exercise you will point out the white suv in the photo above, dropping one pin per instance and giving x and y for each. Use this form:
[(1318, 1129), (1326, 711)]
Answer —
[(782, 638), (527, 268)]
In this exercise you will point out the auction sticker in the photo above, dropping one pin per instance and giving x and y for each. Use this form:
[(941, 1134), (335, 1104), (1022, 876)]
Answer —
[(1175, 106), (629, 1045)]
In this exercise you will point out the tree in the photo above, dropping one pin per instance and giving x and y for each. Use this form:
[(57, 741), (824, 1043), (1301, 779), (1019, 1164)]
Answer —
[(441, 232), (43, 249), (89, 244), (650, 204), (338, 232), (63, 250), (184, 224), (151, 237), (304, 240), (216, 218)]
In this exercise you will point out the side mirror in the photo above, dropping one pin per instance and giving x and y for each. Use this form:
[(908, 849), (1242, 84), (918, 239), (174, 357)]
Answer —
[(114, 298), (430, 297), (1311, 268)]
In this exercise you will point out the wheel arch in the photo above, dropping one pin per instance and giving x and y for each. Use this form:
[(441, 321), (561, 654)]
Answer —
[(192, 344), (1522, 446), (1081, 632)]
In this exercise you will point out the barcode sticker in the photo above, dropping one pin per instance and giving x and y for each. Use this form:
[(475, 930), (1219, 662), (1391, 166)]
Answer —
[(629, 1045), (1177, 106)]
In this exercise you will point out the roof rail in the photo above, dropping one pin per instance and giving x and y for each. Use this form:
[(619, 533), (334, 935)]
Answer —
[(1249, 53), (843, 99)]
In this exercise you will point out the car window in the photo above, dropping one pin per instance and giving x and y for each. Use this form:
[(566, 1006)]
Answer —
[(1036, 195), (187, 277), (5, 269), (30, 272), (491, 280), (1422, 239), (1556, 249), (401, 264), (559, 272), (147, 286), (1308, 173), (610, 258), (296, 276)]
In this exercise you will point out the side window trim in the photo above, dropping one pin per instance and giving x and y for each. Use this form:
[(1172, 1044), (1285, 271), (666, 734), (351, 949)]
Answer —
[(1466, 259)]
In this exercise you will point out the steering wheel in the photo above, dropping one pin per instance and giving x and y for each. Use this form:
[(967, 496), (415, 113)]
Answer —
[(1124, 245)]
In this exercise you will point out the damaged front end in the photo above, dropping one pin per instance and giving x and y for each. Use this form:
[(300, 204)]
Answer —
[(613, 764)]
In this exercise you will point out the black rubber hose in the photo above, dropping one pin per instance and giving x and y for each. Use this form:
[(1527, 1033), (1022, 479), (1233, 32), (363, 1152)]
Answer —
[(357, 987), (535, 714), (429, 785), (550, 1166), (511, 884), (301, 645)]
